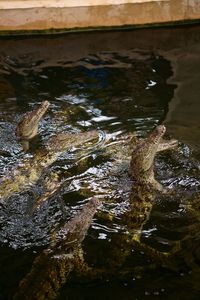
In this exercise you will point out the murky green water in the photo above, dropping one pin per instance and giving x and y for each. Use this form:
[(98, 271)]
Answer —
[(120, 84)]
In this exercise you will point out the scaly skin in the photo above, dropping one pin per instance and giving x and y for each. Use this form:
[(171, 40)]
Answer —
[(28, 126), (144, 188), (141, 167), (142, 160), (26, 175), (51, 269)]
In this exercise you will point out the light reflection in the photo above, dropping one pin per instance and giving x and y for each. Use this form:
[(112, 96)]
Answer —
[(84, 123), (148, 232), (102, 119), (150, 84), (71, 99), (100, 227), (102, 236)]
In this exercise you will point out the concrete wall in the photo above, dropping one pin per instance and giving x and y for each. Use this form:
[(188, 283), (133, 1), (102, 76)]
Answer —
[(71, 14)]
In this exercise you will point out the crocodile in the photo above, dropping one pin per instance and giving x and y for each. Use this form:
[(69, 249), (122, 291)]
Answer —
[(25, 175), (142, 158), (27, 128), (144, 189), (52, 267)]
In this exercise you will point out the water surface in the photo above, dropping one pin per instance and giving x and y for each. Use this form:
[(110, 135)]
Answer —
[(116, 90)]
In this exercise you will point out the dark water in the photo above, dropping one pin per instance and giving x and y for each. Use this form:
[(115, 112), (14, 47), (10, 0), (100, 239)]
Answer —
[(122, 83)]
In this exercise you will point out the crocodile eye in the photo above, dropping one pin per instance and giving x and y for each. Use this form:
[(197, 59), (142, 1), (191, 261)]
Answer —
[(161, 129)]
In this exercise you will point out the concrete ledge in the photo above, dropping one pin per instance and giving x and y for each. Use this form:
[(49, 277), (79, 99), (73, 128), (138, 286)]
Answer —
[(11, 4), (61, 14)]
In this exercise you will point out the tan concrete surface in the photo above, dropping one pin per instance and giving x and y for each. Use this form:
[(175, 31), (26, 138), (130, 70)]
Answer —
[(71, 14)]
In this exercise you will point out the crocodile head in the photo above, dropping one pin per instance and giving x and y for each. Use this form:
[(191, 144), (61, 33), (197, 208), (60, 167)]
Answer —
[(28, 126), (157, 134), (142, 160)]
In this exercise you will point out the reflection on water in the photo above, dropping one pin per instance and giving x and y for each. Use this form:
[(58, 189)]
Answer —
[(116, 93)]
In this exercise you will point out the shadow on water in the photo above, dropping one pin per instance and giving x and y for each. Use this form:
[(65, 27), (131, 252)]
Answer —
[(125, 82)]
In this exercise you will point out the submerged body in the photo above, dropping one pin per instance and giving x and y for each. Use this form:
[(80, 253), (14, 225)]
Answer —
[(141, 169), (25, 176), (144, 188), (51, 269)]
